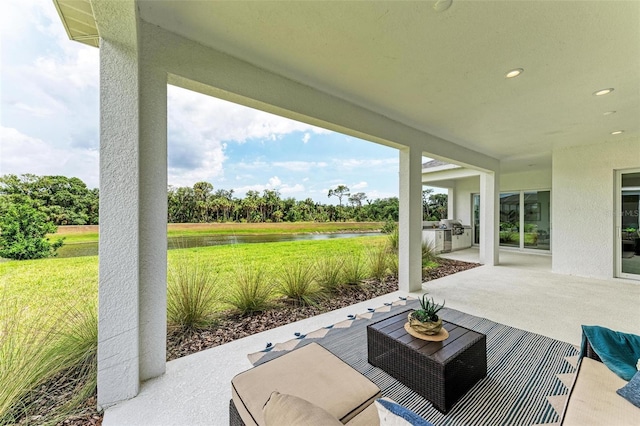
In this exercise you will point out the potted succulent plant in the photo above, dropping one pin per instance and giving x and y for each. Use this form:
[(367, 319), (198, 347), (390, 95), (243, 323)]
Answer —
[(426, 320)]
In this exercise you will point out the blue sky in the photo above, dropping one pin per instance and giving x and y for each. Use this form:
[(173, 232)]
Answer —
[(49, 120)]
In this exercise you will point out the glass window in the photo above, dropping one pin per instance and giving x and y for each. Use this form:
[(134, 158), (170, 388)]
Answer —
[(630, 221), (476, 218), (537, 220), (510, 219)]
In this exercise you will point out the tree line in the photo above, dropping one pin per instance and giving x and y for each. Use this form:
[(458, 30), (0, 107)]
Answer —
[(33, 206), (68, 201)]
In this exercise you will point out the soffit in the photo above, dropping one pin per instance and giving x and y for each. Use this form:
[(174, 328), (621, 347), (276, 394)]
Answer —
[(443, 73), (79, 23)]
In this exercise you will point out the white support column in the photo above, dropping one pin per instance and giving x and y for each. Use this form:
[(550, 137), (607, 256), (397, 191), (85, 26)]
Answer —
[(153, 222), (489, 218), (410, 223), (451, 203), (133, 236)]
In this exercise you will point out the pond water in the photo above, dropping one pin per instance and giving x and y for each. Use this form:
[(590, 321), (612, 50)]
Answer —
[(91, 249)]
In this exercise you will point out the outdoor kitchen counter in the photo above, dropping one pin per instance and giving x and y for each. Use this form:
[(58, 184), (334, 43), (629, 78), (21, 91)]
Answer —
[(436, 238)]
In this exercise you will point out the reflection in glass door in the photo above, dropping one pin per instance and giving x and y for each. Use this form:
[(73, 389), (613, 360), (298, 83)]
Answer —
[(525, 219), (476, 218), (629, 224), (537, 220), (510, 219)]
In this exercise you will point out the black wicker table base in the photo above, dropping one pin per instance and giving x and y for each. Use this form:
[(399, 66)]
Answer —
[(442, 372)]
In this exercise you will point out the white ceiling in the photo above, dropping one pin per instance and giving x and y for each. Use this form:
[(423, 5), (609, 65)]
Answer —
[(444, 72)]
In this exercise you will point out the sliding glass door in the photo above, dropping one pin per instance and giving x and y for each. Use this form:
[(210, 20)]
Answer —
[(510, 219), (628, 225), (525, 219), (537, 220), (476, 218)]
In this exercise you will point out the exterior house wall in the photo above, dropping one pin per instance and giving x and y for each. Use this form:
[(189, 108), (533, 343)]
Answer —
[(465, 187), (536, 179), (463, 190), (583, 200)]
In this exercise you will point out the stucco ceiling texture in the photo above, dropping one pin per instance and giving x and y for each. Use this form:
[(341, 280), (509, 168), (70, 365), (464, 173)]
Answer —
[(444, 72)]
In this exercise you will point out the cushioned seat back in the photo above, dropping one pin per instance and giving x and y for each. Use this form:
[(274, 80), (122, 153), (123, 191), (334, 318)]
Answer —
[(311, 373), (593, 399)]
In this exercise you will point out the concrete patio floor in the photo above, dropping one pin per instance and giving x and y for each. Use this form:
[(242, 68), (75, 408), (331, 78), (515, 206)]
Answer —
[(520, 292)]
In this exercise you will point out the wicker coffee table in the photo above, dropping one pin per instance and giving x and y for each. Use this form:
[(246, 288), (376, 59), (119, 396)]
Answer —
[(441, 372)]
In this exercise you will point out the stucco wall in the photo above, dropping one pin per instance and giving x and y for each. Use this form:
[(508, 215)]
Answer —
[(583, 206), (464, 189), (536, 179)]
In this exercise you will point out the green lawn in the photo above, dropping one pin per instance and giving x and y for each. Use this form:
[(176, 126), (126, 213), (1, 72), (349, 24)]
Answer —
[(49, 286)]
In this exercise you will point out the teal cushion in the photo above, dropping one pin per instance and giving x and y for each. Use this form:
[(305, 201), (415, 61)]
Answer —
[(631, 391), (618, 351)]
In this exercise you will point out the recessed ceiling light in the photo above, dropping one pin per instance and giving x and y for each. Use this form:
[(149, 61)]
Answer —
[(514, 73), (603, 92), (617, 132), (442, 5), (609, 113)]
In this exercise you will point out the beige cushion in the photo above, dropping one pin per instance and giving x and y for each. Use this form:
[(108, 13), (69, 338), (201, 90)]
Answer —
[(311, 373), (283, 410), (593, 399), (367, 417)]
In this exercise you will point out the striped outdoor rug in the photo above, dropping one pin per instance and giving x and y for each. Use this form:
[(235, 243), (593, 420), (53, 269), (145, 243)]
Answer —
[(528, 375)]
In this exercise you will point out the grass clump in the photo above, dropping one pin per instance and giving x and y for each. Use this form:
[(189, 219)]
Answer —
[(77, 374), (394, 265), (192, 295), (393, 239), (251, 290), (296, 282), (378, 258), (429, 256), (24, 361), (39, 363), (328, 271), (355, 270)]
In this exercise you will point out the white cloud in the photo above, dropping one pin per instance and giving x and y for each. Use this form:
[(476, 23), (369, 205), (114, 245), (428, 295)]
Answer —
[(306, 137), (354, 163), (76, 70), (34, 110), (232, 122), (299, 166), (372, 195), (253, 165), (43, 158), (200, 125), (288, 190), (359, 185), (275, 182)]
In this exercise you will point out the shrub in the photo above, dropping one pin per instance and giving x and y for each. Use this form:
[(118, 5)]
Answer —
[(355, 270), (328, 272), (295, 281), (192, 295), (389, 226), (23, 231), (378, 262), (251, 291)]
